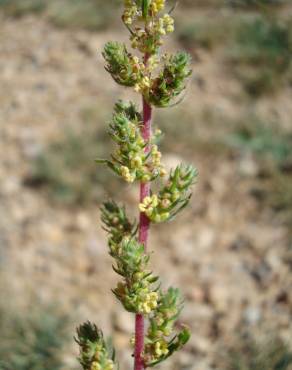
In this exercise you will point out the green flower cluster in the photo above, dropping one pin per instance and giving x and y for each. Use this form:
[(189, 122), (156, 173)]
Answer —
[(130, 160), (141, 9), (117, 225), (136, 291), (173, 197), (135, 10), (124, 68), (131, 12), (171, 81), (129, 70), (161, 341), (147, 40), (94, 352), (161, 81)]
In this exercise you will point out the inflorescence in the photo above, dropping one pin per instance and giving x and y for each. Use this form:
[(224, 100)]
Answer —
[(130, 161), (95, 354), (172, 198), (161, 339), (161, 80), (138, 291)]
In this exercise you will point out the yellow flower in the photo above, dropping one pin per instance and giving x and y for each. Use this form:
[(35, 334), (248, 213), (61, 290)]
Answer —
[(156, 156), (137, 88), (160, 28), (126, 175), (146, 307), (145, 82), (136, 161), (154, 8), (149, 211), (153, 62), (136, 60), (154, 149), (152, 299), (168, 23), (158, 132), (146, 177), (163, 172), (149, 303), (146, 202), (109, 365), (128, 20), (161, 217), (168, 19), (130, 12), (132, 341), (154, 199), (161, 348), (159, 319), (95, 366), (157, 6), (148, 205)]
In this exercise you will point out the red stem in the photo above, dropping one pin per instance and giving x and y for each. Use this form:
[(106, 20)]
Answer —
[(143, 236), (139, 342), (145, 187)]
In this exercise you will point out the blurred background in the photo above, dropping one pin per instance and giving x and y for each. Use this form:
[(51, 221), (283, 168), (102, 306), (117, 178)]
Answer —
[(230, 252)]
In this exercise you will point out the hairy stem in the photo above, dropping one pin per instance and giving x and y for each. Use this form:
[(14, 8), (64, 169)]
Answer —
[(143, 237)]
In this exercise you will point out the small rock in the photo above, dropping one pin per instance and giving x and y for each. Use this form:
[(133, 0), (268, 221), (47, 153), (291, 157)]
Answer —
[(240, 244), (248, 167), (262, 273), (252, 315), (282, 297)]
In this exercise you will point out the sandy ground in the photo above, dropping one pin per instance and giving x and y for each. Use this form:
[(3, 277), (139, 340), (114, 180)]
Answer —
[(228, 255)]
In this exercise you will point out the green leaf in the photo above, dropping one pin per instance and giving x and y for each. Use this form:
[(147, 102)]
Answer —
[(117, 271), (101, 161), (145, 8), (175, 344)]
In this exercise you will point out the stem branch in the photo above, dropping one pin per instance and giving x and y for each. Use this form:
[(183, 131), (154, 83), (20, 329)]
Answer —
[(143, 236)]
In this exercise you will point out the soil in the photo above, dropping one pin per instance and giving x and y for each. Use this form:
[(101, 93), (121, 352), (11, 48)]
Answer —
[(228, 254)]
